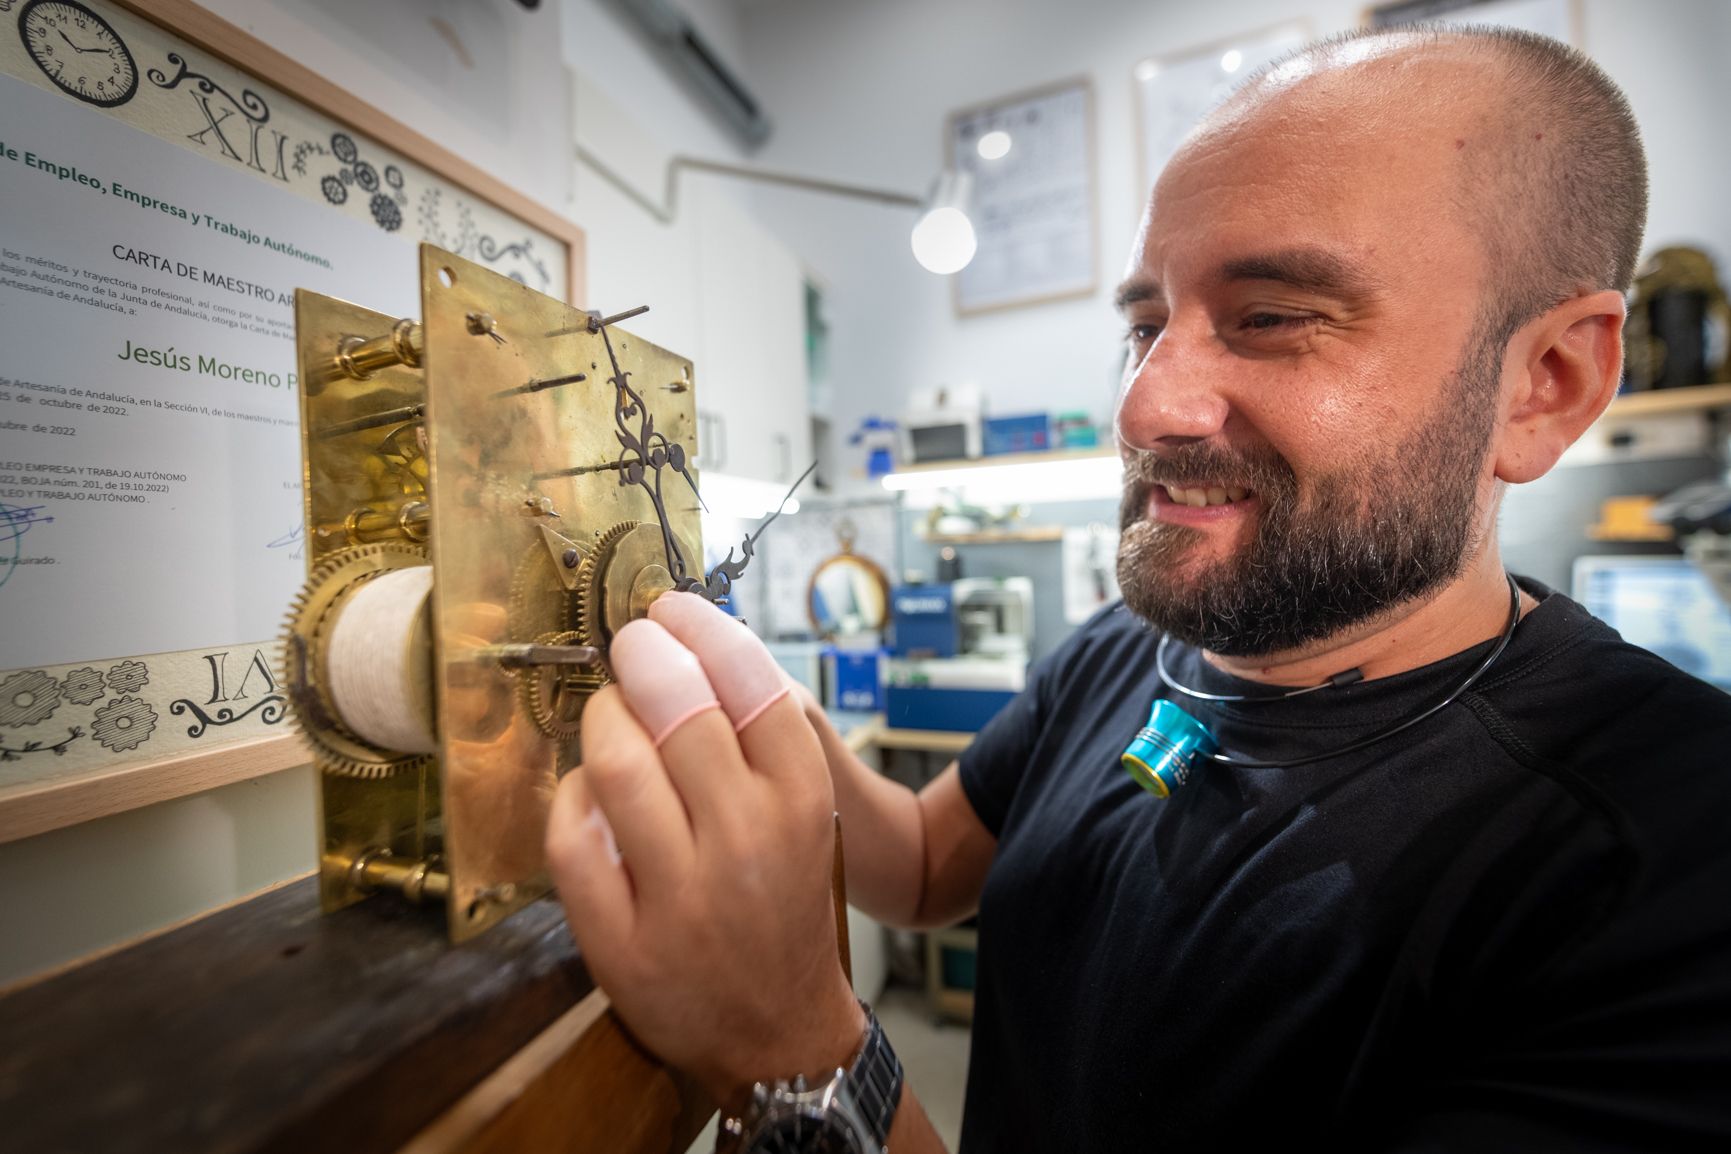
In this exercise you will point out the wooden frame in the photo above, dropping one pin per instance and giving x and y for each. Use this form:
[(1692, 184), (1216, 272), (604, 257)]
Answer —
[(1300, 24), (1091, 144), (217, 36), (34, 809)]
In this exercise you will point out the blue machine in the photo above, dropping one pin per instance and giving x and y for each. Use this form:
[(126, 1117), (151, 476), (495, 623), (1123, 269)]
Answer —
[(961, 652), (925, 621), (856, 678)]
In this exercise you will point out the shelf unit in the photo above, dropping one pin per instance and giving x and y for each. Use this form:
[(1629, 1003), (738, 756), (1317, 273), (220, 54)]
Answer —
[(1006, 537), (1699, 398), (1051, 456), (955, 1002)]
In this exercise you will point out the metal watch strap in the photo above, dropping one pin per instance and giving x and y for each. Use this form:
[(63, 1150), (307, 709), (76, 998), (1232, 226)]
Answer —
[(874, 1081)]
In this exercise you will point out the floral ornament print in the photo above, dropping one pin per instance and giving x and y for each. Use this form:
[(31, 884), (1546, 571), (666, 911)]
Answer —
[(386, 214), (82, 686), (386, 207), (124, 723), (27, 697), (128, 677)]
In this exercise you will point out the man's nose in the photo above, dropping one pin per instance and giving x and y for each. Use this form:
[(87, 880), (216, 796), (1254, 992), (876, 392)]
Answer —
[(1171, 397)]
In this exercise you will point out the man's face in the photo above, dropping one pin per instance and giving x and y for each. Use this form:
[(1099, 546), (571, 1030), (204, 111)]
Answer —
[(1309, 394)]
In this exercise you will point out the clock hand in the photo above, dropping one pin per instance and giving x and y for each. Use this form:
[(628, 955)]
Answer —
[(75, 47)]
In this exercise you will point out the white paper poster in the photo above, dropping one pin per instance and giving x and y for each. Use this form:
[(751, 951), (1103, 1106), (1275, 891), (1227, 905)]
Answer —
[(149, 416), (1033, 204), (1174, 93), (160, 209)]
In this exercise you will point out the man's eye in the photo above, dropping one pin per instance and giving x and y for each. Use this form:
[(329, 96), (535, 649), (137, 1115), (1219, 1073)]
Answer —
[(1141, 334), (1263, 322)]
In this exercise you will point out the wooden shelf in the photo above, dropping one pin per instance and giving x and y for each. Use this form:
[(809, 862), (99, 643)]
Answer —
[(1047, 457), (877, 733), (932, 740), (1007, 537), (1696, 399), (949, 1001)]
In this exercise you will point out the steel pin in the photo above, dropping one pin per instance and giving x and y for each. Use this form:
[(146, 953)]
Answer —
[(597, 322), (388, 417), (537, 386), (580, 470)]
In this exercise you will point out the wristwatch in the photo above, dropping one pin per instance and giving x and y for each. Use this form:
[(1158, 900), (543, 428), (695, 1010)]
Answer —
[(848, 1113)]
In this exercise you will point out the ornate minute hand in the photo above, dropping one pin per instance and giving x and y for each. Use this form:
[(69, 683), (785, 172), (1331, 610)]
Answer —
[(644, 452), (718, 584)]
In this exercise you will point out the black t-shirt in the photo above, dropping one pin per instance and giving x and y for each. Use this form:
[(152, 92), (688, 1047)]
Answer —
[(1508, 928)]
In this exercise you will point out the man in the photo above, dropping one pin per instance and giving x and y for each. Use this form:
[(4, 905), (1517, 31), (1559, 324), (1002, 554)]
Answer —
[(1380, 284)]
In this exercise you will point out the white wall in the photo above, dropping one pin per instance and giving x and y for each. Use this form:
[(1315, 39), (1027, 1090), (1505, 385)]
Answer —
[(859, 92), (66, 893)]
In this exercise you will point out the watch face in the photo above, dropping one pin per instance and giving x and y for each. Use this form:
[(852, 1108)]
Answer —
[(77, 50), (810, 1133)]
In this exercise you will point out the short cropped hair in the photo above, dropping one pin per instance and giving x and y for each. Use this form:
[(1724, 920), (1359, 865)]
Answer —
[(1560, 194)]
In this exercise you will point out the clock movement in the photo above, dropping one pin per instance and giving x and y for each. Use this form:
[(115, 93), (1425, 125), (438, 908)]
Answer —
[(490, 493)]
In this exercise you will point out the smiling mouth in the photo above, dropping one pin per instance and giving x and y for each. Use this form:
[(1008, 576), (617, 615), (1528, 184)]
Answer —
[(1203, 496)]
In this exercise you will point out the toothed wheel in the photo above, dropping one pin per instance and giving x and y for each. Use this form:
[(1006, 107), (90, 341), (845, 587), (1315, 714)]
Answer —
[(307, 630), (553, 695), (540, 603), (591, 596)]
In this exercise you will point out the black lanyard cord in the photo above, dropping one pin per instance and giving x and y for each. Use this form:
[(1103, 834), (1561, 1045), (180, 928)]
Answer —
[(1344, 679)]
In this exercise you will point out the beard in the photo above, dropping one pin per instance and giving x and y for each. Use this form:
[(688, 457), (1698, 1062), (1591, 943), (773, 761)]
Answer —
[(1364, 539)]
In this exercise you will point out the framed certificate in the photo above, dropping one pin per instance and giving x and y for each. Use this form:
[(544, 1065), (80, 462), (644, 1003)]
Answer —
[(1558, 19), (169, 182), (1031, 157), (1175, 91)]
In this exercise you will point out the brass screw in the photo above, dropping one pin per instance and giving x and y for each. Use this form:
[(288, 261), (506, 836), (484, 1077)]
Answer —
[(483, 325)]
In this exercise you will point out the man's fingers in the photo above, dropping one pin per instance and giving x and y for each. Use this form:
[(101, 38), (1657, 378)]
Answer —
[(661, 679), (625, 774), (754, 692), (663, 682), (584, 863), (745, 676)]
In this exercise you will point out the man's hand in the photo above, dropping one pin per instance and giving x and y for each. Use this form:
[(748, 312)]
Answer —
[(712, 926)]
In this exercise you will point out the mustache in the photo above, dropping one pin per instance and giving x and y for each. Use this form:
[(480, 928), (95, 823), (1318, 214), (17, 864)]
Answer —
[(1261, 470)]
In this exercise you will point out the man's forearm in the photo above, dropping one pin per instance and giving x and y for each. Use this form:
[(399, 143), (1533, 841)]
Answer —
[(882, 830)]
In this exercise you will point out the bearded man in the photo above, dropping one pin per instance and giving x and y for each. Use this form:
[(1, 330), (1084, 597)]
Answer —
[(1462, 879)]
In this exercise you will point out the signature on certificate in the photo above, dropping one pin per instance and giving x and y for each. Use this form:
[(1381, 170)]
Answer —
[(294, 540), (15, 521)]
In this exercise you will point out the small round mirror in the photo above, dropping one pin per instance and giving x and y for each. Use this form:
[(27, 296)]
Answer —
[(848, 594)]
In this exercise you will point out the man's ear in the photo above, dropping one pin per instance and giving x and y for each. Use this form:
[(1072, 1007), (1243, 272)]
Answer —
[(1560, 371)]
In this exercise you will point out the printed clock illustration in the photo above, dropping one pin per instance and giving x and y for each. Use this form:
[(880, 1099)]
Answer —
[(78, 50)]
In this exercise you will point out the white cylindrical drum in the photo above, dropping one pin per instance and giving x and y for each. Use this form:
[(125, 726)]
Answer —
[(379, 662)]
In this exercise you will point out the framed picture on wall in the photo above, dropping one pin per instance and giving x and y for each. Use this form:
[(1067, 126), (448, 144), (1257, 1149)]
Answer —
[(1175, 91), (1558, 19), (169, 182), (1031, 159)]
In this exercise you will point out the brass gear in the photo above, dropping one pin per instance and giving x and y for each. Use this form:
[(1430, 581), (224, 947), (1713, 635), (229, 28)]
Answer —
[(335, 749), (590, 598), (553, 695), (539, 602)]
